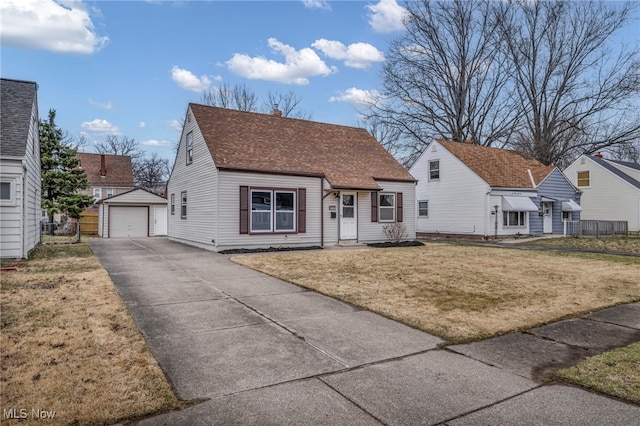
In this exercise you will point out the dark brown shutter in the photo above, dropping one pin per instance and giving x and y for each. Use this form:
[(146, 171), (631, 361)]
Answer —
[(374, 207), (302, 210), (399, 207), (244, 209)]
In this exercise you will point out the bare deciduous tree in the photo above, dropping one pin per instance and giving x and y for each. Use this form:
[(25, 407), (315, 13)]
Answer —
[(578, 92), (151, 173), (119, 146), (445, 77), (288, 104)]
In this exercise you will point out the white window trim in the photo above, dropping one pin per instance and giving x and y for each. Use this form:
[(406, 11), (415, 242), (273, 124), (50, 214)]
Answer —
[(173, 204), (189, 144), (429, 168), (273, 212), (11, 201), (423, 201), (183, 203), (98, 197), (110, 192), (381, 207), (524, 220)]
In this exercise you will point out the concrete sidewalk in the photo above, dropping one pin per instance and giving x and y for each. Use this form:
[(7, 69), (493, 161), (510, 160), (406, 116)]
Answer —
[(263, 351)]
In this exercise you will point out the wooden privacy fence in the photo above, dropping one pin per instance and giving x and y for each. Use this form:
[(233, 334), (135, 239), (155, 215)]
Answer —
[(89, 223), (596, 228)]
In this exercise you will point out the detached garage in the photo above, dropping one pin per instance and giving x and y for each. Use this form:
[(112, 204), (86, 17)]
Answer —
[(133, 214)]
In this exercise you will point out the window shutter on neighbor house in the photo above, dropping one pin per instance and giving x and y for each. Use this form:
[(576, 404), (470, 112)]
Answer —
[(244, 209), (374, 206), (399, 207), (302, 210)]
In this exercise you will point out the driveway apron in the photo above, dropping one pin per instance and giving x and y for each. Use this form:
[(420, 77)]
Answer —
[(259, 350)]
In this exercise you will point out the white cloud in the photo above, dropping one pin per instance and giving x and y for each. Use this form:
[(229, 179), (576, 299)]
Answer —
[(356, 96), (356, 55), (299, 65), (188, 81), (58, 26), (142, 124), (174, 125), (157, 144), (386, 16), (100, 105), (102, 127), (316, 4)]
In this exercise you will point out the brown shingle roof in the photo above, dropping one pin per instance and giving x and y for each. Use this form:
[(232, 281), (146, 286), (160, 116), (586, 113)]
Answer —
[(500, 168), (349, 157), (119, 171)]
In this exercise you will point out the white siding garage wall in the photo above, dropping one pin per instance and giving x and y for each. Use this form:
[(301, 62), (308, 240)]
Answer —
[(128, 222)]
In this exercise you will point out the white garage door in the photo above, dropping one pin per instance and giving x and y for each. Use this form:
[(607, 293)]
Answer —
[(127, 222)]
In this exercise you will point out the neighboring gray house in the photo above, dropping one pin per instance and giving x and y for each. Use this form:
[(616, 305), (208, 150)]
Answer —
[(20, 183), (610, 189), (249, 180), (473, 190)]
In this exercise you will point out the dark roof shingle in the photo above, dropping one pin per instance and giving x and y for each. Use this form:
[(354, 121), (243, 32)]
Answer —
[(349, 157), (16, 98), (119, 171), (500, 168)]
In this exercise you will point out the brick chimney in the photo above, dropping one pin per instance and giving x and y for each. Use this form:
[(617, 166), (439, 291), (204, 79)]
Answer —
[(598, 154), (103, 166), (276, 111)]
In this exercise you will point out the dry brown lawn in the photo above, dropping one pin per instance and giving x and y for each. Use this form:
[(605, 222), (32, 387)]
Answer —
[(70, 347), (461, 293), (629, 244)]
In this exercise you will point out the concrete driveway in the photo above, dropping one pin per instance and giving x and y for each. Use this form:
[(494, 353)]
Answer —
[(263, 351)]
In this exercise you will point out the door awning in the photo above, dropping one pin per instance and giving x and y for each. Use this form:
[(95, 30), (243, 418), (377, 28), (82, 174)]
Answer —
[(518, 204), (547, 199), (571, 206)]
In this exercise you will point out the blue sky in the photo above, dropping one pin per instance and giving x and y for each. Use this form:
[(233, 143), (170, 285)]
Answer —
[(130, 68)]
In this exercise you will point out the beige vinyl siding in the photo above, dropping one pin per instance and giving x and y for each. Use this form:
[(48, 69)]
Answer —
[(229, 217), (372, 231), (608, 197), (199, 179), (11, 212), (457, 201), (627, 170), (33, 185)]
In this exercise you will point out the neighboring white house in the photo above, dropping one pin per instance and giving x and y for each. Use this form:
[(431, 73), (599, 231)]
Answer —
[(610, 189), (249, 180), (137, 213), (20, 183), (467, 189)]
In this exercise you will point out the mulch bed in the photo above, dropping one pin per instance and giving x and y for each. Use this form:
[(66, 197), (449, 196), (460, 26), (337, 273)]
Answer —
[(400, 244), (268, 250)]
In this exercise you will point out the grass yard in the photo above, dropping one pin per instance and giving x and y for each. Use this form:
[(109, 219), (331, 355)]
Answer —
[(70, 347), (630, 244), (615, 373), (461, 293)]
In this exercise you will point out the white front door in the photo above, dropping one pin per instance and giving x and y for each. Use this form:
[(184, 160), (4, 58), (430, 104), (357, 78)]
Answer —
[(348, 216), (547, 222), (160, 217)]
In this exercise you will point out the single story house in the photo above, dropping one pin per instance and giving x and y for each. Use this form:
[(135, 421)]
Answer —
[(468, 189), (133, 214), (107, 174), (20, 173), (610, 189), (250, 180)]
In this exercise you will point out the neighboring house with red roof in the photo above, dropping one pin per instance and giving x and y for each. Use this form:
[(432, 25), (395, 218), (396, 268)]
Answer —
[(468, 189), (610, 189), (107, 175), (249, 180), (20, 174)]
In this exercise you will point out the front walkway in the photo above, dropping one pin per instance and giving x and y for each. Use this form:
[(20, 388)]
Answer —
[(263, 351)]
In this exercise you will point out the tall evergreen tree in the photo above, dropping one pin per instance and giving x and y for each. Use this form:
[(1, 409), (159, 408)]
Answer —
[(61, 177)]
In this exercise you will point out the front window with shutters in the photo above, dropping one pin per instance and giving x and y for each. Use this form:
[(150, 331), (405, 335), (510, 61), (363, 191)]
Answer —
[(273, 210), (387, 207)]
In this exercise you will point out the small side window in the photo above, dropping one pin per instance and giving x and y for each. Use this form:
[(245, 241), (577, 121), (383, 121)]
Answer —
[(584, 179), (423, 208), (434, 170), (189, 147), (183, 205), (173, 204)]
